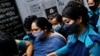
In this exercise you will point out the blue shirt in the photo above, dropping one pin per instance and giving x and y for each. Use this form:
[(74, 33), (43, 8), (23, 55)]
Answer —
[(84, 38), (27, 37), (21, 44), (90, 12), (50, 44), (97, 12)]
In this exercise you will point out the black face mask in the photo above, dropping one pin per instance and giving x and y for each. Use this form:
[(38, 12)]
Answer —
[(71, 29), (93, 8)]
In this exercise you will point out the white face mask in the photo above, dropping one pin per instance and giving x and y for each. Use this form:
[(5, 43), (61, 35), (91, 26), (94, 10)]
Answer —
[(56, 27), (38, 35)]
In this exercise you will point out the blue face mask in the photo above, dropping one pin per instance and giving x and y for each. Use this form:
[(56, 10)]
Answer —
[(56, 27), (38, 35)]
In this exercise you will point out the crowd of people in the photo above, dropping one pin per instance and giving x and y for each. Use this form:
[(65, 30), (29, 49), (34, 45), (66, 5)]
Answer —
[(74, 33)]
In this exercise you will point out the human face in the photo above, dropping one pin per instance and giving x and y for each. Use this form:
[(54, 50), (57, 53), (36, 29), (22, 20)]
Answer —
[(68, 21), (70, 26), (37, 32), (54, 21), (35, 28), (91, 3)]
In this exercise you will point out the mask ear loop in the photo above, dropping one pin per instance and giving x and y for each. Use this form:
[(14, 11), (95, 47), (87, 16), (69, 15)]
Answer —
[(46, 32), (45, 29)]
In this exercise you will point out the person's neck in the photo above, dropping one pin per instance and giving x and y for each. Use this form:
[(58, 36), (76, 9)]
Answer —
[(82, 28), (49, 33)]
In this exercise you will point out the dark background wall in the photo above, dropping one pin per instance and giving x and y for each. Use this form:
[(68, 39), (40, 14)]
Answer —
[(10, 20)]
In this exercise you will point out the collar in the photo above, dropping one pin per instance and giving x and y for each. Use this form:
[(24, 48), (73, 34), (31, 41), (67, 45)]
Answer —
[(84, 37), (98, 22), (72, 38), (81, 38), (90, 12)]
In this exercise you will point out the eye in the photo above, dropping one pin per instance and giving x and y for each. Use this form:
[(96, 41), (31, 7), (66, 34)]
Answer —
[(66, 21), (35, 30)]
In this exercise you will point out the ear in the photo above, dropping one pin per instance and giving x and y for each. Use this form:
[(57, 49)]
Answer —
[(79, 20), (45, 29)]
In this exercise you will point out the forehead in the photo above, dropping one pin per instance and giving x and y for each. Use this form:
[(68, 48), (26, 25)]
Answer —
[(68, 20), (54, 21), (34, 26), (91, 1)]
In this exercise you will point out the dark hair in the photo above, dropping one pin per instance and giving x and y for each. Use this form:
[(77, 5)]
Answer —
[(43, 23), (8, 45), (80, 1), (74, 9), (27, 22), (58, 17)]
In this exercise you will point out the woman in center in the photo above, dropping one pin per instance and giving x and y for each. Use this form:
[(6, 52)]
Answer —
[(45, 40)]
